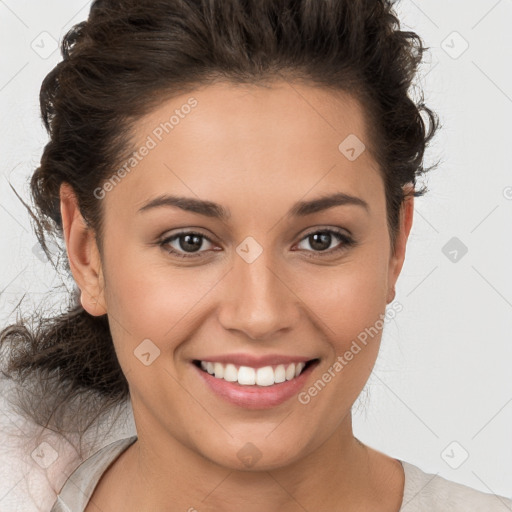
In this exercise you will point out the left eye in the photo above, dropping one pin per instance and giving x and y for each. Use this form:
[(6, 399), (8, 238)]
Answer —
[(321, 241)]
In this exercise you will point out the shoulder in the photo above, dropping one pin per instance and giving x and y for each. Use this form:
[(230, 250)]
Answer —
[(426, 491), (79, 486)]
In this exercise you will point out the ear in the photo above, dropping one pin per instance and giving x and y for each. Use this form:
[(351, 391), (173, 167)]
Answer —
[(405, 223), (83, 255)]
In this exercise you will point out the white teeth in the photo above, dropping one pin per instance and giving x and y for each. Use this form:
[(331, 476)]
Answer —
[(265, 376), (230, 373), (247, 376), (279, 374), (219, 370), (290, 372)]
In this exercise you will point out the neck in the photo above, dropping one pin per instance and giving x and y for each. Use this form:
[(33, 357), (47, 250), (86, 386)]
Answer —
[(340, 474)]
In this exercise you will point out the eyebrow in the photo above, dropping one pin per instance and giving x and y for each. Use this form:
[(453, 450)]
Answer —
[(215, 210)]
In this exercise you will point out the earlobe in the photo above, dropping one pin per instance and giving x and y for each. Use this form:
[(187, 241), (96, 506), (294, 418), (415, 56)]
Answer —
[(82, 252), (391, 295)]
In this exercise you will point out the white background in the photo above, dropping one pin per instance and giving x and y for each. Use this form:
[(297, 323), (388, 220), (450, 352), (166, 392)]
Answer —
[(443, 374)]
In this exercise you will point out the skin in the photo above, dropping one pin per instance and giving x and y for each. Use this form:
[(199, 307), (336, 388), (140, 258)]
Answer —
[(256, 151)]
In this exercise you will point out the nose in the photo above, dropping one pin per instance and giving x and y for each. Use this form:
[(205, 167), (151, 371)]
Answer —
[(259, 300)]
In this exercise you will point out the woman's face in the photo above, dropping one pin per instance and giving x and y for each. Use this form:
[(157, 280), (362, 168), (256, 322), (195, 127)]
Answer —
[(273, 278)]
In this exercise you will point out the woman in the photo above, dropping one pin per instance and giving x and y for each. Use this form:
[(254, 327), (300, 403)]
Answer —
[(234, 182)]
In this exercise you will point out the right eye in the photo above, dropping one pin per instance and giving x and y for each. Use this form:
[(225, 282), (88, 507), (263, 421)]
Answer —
[(189, 242)]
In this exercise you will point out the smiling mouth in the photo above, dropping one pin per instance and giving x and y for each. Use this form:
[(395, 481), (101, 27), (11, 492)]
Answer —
[(249, 376)]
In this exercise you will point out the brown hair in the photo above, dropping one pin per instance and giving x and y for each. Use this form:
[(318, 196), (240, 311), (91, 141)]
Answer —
[(129, 56)]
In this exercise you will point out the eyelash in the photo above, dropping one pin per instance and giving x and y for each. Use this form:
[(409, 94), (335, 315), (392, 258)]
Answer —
[(347, 242)]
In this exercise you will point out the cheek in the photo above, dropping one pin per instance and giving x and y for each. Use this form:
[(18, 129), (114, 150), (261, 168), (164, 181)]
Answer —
[(351, 297), (350, 303), (155, 301)]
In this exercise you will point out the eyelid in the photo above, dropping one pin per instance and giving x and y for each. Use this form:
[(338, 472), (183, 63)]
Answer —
[(322, 229)]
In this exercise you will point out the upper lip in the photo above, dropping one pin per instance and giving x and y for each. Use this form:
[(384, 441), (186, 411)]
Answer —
[(255, 361)]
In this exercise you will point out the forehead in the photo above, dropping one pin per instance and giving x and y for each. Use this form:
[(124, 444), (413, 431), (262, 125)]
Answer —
[(238, 143)]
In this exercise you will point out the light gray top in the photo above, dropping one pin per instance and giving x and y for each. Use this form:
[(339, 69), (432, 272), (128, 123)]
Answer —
[(423, 492)]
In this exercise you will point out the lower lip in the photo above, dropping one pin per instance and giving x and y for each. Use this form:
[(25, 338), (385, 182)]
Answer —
[(256, 397)]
